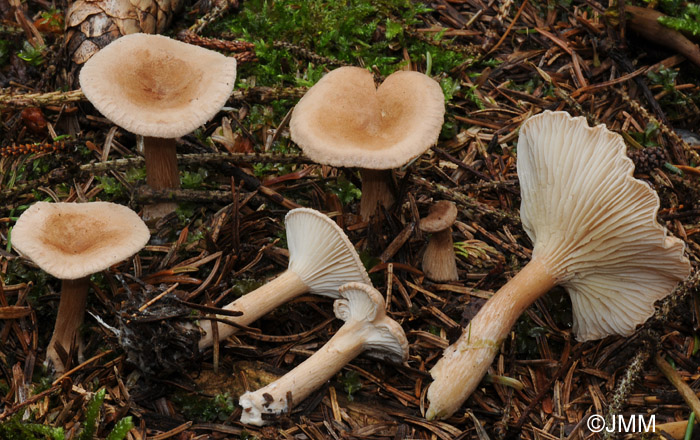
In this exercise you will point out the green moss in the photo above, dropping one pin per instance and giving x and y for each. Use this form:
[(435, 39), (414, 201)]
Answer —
[(244, 286), (351, 383), (356, 32), (111, 186), (344, 189), (17, 429), (191, 180), (204, 409)]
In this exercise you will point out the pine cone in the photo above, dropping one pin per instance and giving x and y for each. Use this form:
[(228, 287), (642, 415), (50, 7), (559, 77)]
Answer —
[(647, 159), (93, 24)]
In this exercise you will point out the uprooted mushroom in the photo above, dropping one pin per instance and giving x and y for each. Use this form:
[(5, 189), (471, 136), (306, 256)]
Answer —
[(321, 259), (72, 241), (366, 329), (594, 231)]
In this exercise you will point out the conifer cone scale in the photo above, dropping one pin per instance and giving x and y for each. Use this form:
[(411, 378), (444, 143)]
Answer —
[(93, 24)]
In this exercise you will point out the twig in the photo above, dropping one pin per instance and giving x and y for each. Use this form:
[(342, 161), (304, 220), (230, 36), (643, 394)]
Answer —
[(307, 54), (677, 381), (214, 14), (197, 159), (623, 390), (258, 94), (465, 201), (662, 126)]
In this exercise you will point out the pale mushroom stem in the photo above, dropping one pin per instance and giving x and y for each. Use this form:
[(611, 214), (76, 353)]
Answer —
[(71, 310), (161, 173), (256, 304), (377, 190), (465, 362), (286, 392)]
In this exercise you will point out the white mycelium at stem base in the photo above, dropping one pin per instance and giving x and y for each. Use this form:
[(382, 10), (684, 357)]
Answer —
[(366, 328), (594, 232), (321, 259)]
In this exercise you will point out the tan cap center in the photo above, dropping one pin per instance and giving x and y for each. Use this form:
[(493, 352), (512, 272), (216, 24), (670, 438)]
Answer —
[(77, 233), (158, 80)]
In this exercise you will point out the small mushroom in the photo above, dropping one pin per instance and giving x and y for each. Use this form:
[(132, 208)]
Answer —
[(346, 121), (71, 241), (439, 262), (594, 231), (321, 259), (366, 329), (159, 88)]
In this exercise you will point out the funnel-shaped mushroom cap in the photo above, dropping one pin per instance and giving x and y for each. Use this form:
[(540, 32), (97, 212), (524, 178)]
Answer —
[(345, 121), (593, 225), (442, 215), (320, 253), (74, 240), (156, 86), (384, 339)]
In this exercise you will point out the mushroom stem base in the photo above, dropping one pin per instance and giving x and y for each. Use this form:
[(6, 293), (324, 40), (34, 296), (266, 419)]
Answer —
[(71, 310), (255, 304), (377, 190), (286, 392), (161, 173), (464, 363)]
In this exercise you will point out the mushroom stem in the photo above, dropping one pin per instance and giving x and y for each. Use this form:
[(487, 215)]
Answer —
[(465, 362), (161, 172), (71, 310), (377, 189), (286, 392), (256, 304), (439, 262)]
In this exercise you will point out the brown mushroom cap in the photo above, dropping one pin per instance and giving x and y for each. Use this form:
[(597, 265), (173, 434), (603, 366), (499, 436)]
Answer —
[(74, 240), (156, 86), (345, 121), (441, 216)]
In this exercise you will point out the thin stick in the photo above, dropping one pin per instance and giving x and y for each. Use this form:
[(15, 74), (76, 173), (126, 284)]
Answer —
[(157, 297), (677, 381)]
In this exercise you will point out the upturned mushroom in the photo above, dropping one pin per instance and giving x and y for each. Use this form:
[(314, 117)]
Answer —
[(159, 88), (321, 259), (366, 329), (72, 241), (344, 120), (594, 231), (439, 263)]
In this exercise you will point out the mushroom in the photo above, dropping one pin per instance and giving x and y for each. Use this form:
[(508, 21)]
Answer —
[(594, 232), (366, 329), (321, 259), (159, 88), (72, 241), (439, 262), (345, 121)]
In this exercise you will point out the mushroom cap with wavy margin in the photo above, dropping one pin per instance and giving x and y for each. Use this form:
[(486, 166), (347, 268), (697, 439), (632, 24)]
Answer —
[(344, 120), (594, 225), (74, 240), (155, 86), (386, 340), (320, 253)]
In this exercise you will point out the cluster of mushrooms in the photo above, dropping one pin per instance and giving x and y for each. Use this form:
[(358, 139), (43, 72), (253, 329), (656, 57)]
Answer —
[(592, 225)]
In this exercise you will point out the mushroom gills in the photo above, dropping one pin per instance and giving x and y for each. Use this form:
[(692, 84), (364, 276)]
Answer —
[(366, 328)]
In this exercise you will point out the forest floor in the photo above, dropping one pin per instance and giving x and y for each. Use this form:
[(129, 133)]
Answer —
[(497, 63)]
